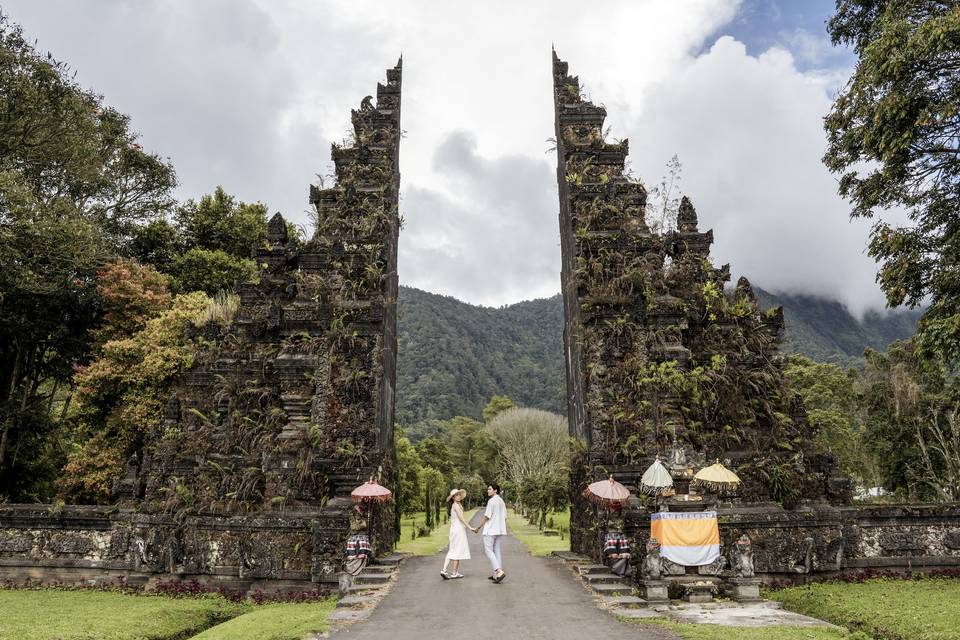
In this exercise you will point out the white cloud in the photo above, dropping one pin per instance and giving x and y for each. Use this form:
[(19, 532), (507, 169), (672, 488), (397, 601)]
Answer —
[(749, 133), (248, 94)]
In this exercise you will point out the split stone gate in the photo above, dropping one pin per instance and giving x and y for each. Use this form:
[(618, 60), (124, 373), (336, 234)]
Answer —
[(246, 481)]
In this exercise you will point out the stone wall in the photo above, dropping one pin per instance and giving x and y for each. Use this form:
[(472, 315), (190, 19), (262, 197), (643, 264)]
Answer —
[(287, 408), (823, 541)]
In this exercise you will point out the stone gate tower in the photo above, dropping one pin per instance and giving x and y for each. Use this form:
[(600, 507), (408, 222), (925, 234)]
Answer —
[(660, 357), (287, 408)]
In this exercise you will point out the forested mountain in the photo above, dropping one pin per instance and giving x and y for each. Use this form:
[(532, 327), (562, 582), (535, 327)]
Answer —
[(454, 356), (826, 331)]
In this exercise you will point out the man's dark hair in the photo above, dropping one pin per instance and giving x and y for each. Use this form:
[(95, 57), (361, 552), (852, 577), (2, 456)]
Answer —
[(496, 488)]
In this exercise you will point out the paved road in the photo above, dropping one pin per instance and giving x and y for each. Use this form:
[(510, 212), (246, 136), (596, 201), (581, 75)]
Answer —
[(539, 599)]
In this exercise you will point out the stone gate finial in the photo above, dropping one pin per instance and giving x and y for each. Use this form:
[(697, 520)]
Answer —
[(686, 216), (277, 229), (745, 289)]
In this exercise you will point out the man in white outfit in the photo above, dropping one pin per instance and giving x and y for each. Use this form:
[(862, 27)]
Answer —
[(494, 526)]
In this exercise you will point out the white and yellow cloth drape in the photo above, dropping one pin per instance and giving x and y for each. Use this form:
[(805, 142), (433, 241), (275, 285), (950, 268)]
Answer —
[(688, 538)]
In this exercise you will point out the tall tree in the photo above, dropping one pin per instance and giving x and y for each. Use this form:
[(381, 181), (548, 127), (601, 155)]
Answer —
[(909, 401), (208, 245), (894, 138), (530, 441), (74, 183)]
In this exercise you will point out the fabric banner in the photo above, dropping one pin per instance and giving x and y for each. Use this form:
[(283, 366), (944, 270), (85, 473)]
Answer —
[(688, 538)]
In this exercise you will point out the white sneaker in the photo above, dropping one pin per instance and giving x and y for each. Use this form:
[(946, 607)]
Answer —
[(444, 575), (456, 575)]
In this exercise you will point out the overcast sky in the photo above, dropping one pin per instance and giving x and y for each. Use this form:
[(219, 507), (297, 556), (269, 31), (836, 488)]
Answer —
[(249, 94)]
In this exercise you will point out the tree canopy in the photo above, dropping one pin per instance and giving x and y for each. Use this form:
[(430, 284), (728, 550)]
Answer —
[(894, 139), (74, 183)]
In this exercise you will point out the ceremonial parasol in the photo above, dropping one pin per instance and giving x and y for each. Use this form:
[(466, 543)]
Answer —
[(607, 492), (716, 477), (656, 479), (370, 491)]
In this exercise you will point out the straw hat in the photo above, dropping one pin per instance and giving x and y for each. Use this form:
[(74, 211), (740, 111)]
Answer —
[(454, 492)]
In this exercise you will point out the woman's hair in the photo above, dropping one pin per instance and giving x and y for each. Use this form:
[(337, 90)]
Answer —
[(496, 488)]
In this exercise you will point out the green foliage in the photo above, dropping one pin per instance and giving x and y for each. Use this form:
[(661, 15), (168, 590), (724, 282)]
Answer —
[(723, 632), (832, 400), (908, 397), (453, 357), (534, 455), (69, 150), (434, 486), (435, 453), (107, 615), (887, 609), (219, 222), (458, 453), (496, 406), (209, 246), (893, 139), (473, 451), (73, 182), (120, 397), (275, 621), (210, 271), (130, 294), (408, 495), (532, 537)]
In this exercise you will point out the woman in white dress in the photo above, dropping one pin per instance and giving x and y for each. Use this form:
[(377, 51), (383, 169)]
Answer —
[(459, 547)]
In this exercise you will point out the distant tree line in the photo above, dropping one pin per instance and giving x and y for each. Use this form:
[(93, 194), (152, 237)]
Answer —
[(525, 451)]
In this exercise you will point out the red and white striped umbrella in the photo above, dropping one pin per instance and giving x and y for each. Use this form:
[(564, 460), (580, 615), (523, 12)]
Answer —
[(607, 492), (370, 491)]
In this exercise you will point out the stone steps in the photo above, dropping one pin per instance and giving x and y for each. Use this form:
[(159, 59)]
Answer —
[(602, 578), (375, 579), (391, 560), (625, 602), (606, 589), (590, 568)]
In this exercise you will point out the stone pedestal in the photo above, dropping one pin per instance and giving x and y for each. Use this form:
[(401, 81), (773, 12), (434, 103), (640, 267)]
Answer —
[(654, 591), (699, 592), (743, 589)]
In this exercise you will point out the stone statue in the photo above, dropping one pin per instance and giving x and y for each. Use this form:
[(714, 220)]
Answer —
[(652, 567), (741, 557), (366, 104)]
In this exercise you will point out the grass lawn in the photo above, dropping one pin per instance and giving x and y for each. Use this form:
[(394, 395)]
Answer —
[(537, 543), (885, 609), (716, 632), (49, 614), (279, 621)]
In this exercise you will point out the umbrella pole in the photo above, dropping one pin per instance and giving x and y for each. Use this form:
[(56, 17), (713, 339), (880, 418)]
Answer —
[(370, 527)]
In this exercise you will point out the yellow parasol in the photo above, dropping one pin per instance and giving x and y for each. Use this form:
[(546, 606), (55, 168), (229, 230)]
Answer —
[(656, 479), (717, 477)]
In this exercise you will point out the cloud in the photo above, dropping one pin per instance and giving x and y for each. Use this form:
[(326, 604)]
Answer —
[(503, 215), (249, 94), (749, 133)]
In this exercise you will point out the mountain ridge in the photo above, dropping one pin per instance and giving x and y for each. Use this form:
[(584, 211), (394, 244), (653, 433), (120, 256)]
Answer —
[(453, 355)]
